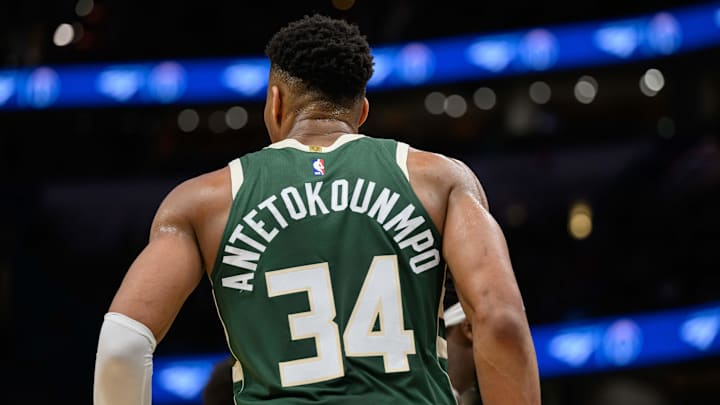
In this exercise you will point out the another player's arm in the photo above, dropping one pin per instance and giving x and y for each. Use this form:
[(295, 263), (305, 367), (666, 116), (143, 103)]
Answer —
[(476, 253), (149, 298)]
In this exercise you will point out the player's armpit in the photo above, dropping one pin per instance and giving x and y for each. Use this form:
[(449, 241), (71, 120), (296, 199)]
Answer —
[(476, 253), (167, 270)]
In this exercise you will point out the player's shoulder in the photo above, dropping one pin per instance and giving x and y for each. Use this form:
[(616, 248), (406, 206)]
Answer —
[(428, 158), (191, 202), (447, 173), (206, 182), (439, 165), (202, 191)]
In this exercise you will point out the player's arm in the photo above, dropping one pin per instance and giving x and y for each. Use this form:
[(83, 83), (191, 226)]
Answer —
[(475, 250), (468, 179), (150, 296)]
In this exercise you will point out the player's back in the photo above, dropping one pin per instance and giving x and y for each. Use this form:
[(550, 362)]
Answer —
[(329, 278)]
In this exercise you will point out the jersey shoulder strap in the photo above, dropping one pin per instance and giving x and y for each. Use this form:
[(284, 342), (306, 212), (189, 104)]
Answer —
[(236, 176)]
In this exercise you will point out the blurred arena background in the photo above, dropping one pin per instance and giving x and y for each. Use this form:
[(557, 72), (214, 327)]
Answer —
[(593, 125)]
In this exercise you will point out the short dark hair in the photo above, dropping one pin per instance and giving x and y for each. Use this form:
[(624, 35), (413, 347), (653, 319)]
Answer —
[(328, 55)]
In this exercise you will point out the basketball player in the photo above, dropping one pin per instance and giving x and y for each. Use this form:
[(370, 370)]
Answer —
[(327, 253)]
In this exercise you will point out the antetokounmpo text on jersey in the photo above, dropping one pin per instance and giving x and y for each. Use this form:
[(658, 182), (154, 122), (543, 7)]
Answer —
[(295, 203)]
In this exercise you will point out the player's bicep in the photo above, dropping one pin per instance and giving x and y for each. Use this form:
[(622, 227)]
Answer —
[(475, 250), (164, 274)]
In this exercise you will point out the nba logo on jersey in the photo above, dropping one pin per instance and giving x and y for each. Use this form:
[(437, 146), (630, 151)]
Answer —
[(318, 166)]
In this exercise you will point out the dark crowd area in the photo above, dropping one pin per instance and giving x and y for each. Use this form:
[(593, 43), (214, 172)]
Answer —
[(80, 186)]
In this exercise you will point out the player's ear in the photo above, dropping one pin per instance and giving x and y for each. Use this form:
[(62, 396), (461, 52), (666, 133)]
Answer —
[(364, 112), (273, 106), (276, 105)]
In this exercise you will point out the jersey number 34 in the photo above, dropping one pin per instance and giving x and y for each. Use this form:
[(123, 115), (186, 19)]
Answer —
[(379, 298)]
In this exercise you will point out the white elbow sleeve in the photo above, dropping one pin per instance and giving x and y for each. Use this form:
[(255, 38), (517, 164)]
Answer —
[(124, 362)]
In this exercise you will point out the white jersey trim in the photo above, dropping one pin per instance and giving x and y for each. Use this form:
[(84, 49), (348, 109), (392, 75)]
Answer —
[(442, 350), (237, 372), (295, 144), (401, 155), (236, 176)]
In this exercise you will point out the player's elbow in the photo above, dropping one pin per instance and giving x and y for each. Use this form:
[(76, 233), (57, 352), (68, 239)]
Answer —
[(506, 325)]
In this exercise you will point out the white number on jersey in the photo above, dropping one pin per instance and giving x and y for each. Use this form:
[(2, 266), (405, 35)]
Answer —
[(379, 299)]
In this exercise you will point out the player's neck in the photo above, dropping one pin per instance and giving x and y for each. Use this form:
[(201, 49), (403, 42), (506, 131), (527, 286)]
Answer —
[(319, 130)]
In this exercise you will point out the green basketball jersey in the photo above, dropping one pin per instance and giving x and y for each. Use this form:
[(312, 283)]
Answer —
[(329, 278)]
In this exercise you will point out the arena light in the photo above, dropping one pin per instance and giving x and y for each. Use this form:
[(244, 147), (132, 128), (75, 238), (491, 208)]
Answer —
[(455, 106), (492, 54), (43, 88), (652, 82), (701, 329), (120, 84), (540, 92), (247, 79), (7, 88), (664, 34), (484, 98), (632, 340), (383, 60), (580, 221), (435, 103), (619, 39), (586, 89), (63, 35), (236, 117), (181, 379), (567, 348), (167, 82), (420, 63), (188, 120), (84, 7), (415, 63)]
